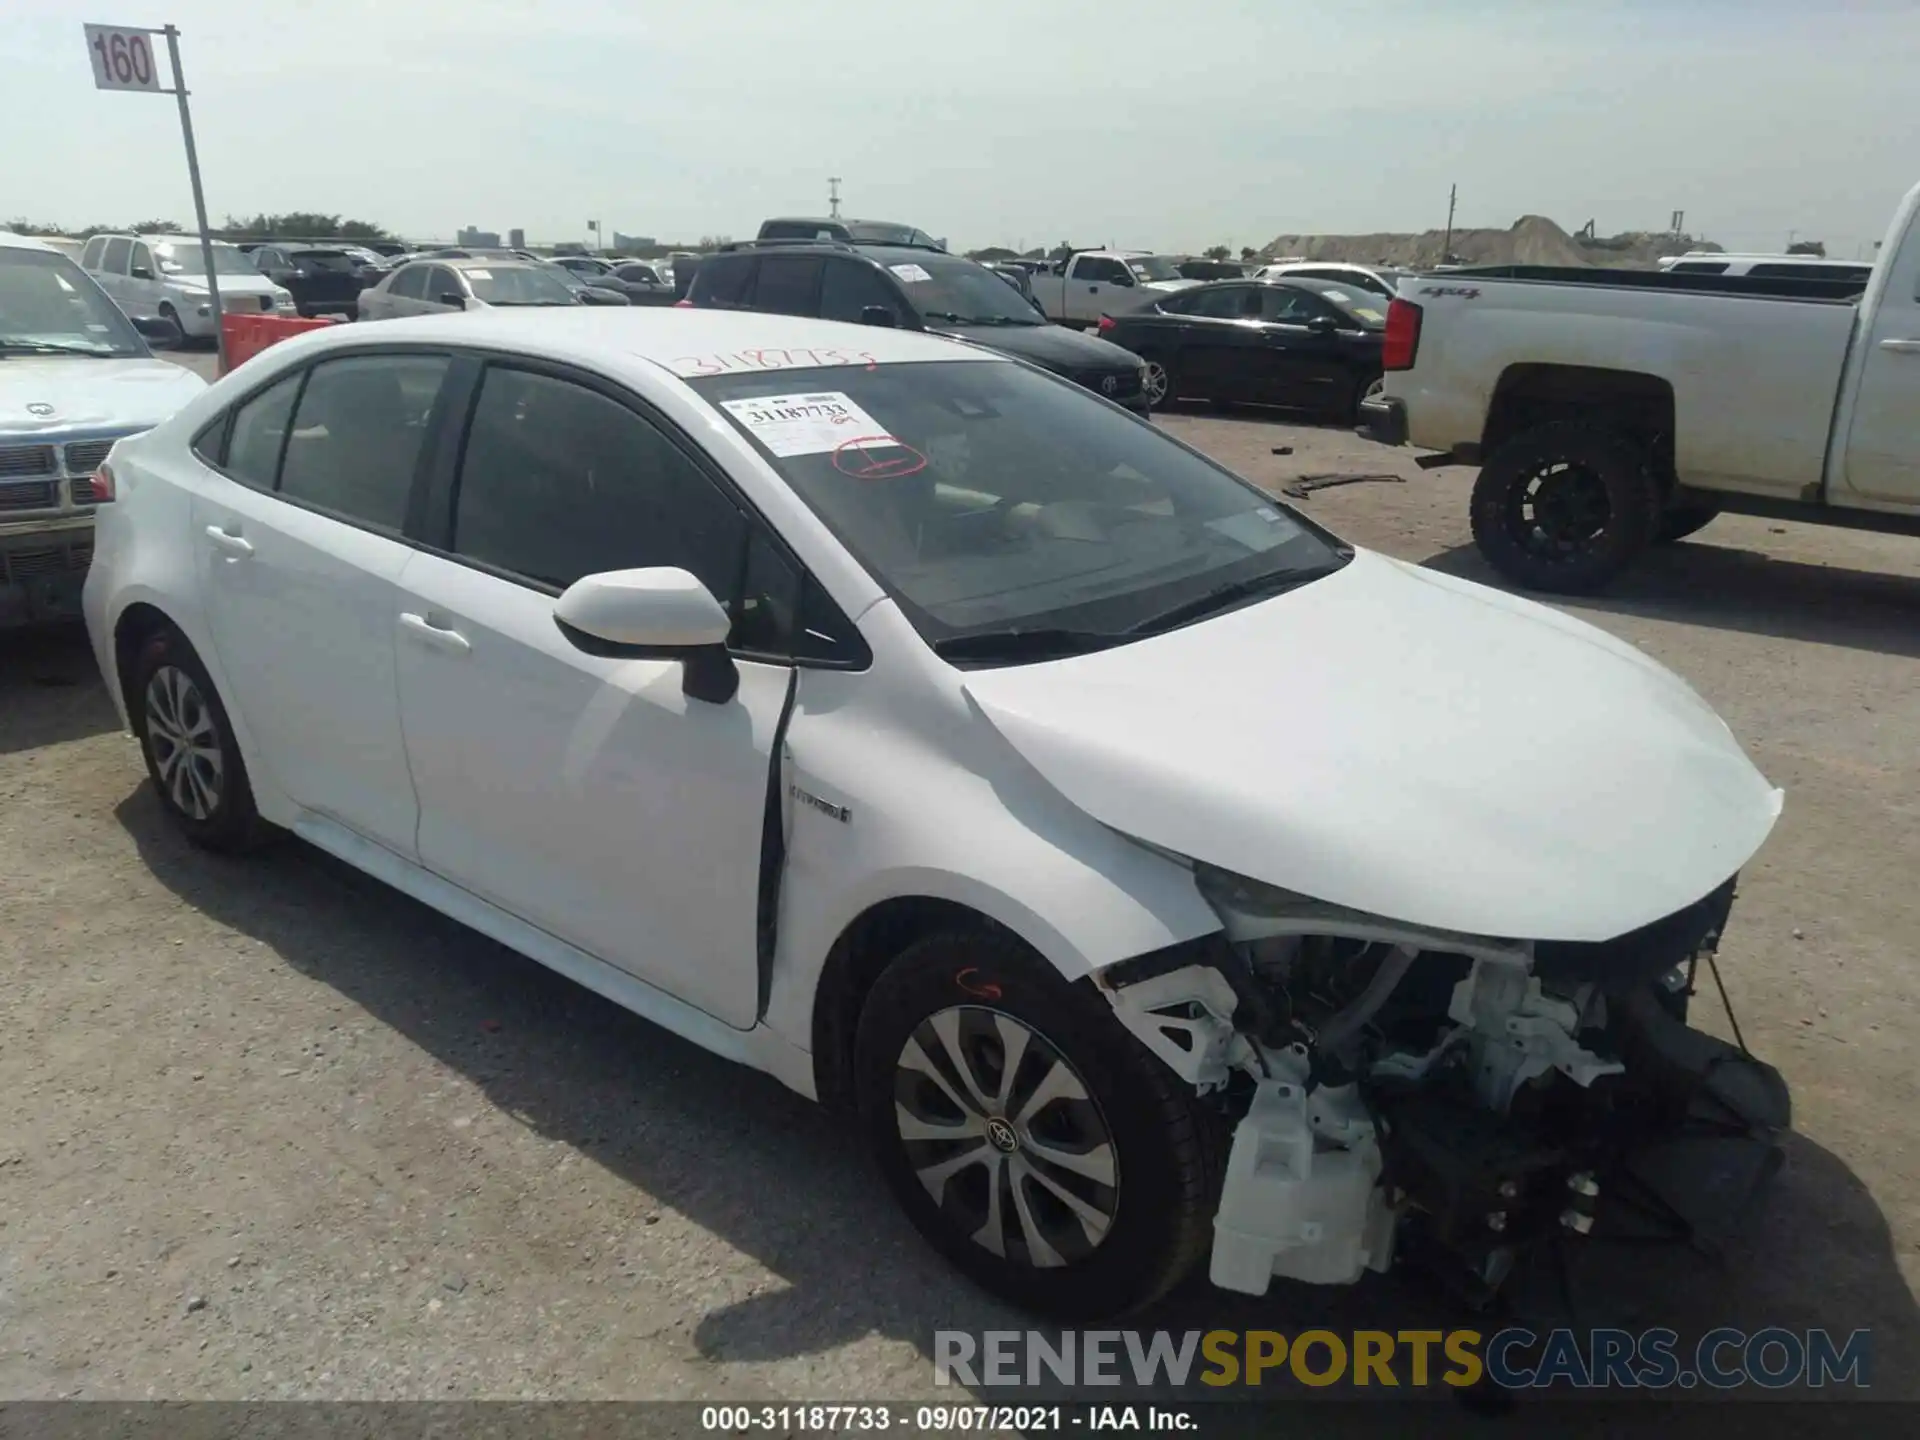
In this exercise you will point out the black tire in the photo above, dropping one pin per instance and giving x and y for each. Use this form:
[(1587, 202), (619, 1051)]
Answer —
[(170, 695), (1164, 1151), (1171, 377), (1679, 521), (1362, 388), (1565, 507), (167, 312)]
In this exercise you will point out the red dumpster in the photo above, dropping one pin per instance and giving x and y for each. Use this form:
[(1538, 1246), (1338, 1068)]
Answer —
[(247, 335)]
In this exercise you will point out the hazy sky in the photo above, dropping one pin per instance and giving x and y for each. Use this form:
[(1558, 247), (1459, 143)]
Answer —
[(1164, 125)]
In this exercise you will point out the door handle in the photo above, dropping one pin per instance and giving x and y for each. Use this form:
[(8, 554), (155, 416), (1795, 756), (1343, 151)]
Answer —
[(1901, 347), (441, 637), (232, 544)]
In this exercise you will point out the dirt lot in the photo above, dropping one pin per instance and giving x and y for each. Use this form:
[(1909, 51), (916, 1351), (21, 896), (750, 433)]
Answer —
[(275, 1131)]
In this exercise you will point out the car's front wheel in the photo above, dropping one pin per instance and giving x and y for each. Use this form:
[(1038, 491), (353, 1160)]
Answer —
[(1158, 383), (192, 757), (1029, 1137)]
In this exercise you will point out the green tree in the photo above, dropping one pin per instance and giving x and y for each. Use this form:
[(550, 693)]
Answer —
[(1248, 254), (1218, 252)]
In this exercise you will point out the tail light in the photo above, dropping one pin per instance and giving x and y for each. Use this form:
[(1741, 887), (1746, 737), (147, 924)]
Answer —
[(1403, 336), (102, 482), (683, 305), (1107, 322)]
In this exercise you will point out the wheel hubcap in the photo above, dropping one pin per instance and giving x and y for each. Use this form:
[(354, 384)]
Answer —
[(1376, 386), (1561, 511), (1156, 382), (1004, 1135), (184, 743)]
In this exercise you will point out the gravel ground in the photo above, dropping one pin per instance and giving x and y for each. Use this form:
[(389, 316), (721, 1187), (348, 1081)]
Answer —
[(276, 1131)]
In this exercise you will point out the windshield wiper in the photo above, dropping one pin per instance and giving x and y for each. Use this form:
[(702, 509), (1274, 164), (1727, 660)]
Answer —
[(1040, 643), (54, 347), (1275, 582)]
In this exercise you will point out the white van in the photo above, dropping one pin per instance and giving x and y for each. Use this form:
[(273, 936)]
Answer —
[(1795, 267), (166, 275)]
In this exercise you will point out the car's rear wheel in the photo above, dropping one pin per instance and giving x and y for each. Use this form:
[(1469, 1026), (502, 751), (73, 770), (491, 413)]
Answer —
[(1029, 1137), (187, 739), (1564, 507), (1367, 389), (1158, 382)]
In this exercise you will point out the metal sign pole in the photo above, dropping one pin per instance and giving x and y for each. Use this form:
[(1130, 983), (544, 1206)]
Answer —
[(199, 198)]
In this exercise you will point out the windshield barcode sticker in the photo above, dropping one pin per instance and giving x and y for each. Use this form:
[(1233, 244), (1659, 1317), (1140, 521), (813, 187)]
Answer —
[(912, 274), (815, 424)]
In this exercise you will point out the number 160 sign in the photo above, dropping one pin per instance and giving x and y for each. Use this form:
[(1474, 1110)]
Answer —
[(122, 59)]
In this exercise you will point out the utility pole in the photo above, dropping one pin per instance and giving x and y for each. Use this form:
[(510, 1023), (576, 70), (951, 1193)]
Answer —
[(833, 197), (1446, 246)]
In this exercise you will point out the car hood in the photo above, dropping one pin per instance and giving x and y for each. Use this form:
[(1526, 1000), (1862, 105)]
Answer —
[(1165, 285), (90, 394), (1053, 347), (229, 284), (1406, 744)]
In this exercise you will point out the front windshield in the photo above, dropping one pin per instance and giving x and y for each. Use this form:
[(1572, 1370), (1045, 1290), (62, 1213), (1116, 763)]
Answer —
[(1149, 268), (959, 292), (187, 260), (48, 303), (518, 285), (989, 499)]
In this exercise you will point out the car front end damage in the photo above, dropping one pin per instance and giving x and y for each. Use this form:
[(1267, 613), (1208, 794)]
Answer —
[(1463, 1105)]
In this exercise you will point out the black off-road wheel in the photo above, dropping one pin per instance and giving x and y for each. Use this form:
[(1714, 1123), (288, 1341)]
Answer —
[(1032, 1140), (1679, 521), (1565, 507), (187, 740)]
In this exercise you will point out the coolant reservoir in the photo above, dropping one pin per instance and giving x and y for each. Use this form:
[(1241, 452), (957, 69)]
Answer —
[(1294, 1210)]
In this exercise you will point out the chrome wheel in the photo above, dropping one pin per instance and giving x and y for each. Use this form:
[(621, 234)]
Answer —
[(1156, 382), (1375, 387), (1001, 1130), (184, 741)]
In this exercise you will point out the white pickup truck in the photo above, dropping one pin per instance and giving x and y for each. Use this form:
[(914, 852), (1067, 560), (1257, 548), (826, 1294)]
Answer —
[(1092, 283), (1609, 410)]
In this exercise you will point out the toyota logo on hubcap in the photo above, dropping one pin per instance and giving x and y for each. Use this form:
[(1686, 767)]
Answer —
[(1000, 1135)]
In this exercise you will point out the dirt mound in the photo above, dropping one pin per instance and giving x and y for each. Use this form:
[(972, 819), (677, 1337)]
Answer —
[(1532, 240)]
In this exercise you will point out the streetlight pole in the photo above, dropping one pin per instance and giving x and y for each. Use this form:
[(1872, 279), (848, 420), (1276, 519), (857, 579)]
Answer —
[(199, 196)]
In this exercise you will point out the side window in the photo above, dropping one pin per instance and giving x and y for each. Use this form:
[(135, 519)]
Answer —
[(118, 249), (558, 481), (1099, 268), (849, 287), (1229, 302), (259, 431), (358, 434), (442, 281), (1181, 303), (1288, 306), (724, 279), (142, 259), (90, 257), (1700, 267), (788, 284), (410, 283)]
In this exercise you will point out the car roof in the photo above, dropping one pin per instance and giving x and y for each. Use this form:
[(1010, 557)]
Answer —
[(736, 341), (485, 262), (11, 241), (879, 254)]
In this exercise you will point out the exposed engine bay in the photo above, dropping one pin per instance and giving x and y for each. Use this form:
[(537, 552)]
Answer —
[(1458, 1103)]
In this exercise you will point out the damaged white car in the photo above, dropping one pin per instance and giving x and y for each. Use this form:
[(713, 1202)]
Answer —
[(1160, 881)]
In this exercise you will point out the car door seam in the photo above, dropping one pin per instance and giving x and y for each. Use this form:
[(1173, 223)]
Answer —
[(773, 855)]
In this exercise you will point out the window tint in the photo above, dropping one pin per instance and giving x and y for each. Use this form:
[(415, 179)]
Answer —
[(788, 284), (1810, 272), (358, 433), (1700, 267), (90, 257), (558, 481), (410, 283), (723, 279), (849, 286), (1099, 268), (142, 258), (1180, 304), (441, 281), (118, 249), (259, 428), (637, 275), (1230, 302)]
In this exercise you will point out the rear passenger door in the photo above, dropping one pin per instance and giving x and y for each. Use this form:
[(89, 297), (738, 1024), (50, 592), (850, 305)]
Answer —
[(788, 285), (299, 526), (1219, 358)]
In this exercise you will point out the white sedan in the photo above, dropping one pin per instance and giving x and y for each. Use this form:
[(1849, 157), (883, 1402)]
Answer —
[(1156, 878)]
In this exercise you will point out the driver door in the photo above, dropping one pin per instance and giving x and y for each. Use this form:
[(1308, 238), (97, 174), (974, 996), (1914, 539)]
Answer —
[(589, 796)]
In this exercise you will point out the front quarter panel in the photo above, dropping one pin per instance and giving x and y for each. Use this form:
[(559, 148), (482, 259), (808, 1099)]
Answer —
[(895, 786)]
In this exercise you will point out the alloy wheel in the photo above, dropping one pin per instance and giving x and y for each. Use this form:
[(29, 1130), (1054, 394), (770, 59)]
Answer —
[(184, 741), (1005, 1136), (1560, 512), (1156, 383)]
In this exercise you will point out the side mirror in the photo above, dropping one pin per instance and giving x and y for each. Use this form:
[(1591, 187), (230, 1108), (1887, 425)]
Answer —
[(1323, 325), (453, 298), (158, 328), (141, 272), (663, 613), (878, 315)]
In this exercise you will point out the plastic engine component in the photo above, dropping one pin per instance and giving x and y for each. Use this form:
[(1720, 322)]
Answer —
[(1291, 1210)]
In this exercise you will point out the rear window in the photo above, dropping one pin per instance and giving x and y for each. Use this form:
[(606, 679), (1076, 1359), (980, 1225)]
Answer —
[(723, 279), (322, 259)]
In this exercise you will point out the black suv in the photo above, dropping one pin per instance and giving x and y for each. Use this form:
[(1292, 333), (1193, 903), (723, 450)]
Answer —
[(912, 289)]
